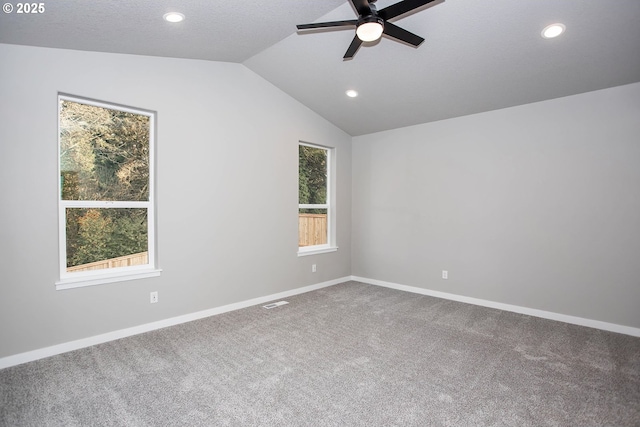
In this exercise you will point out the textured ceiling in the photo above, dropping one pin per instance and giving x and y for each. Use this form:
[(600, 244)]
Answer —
[(478, 55)]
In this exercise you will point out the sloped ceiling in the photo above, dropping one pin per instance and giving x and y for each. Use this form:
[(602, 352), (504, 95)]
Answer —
[(478, 55)]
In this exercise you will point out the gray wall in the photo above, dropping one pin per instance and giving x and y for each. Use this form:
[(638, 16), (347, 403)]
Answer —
[(537, 205), (227, 191)]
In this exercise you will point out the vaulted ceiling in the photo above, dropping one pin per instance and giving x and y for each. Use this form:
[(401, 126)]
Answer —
[(477, 56)]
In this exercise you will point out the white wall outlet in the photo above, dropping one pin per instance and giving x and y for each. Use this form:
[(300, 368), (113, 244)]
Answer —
[(313, 268), (153, 297), (445, 274)]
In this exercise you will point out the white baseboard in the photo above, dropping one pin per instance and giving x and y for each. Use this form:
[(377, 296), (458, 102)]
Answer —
[(41, 353), (597, 324), (30, 356)]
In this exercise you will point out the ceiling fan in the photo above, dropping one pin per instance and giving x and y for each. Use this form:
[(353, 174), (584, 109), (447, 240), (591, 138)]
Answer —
[(372, 23)]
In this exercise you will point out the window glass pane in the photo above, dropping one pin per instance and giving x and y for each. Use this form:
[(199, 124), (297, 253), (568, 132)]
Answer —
[(104, 153), (312, 175), (312, 227), (106, 238)]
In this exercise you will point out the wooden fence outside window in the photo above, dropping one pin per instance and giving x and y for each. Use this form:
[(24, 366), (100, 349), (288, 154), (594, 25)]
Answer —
[(312, 229), (123, 261)]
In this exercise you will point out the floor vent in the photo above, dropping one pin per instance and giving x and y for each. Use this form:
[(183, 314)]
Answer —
[(275, 304)]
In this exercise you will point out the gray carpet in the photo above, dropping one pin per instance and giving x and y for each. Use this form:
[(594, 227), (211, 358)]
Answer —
[(347, 355)]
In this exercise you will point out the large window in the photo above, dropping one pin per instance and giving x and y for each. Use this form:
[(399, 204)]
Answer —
[(316, 232), (106, 206)]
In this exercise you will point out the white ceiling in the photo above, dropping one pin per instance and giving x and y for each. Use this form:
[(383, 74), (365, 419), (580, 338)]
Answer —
[(478, 55)]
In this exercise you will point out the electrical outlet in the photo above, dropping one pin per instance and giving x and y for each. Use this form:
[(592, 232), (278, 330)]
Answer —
[(445, 274), (153, 297), (313, 268)]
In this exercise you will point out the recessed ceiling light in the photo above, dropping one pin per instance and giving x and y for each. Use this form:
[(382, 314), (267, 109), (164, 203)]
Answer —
[(173, 17), (553, 30), (351, 93)]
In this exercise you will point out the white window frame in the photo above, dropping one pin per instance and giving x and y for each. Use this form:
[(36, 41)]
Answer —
[(330, 206), (96, 277)]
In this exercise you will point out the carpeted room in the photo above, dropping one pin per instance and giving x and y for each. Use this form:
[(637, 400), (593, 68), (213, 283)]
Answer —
[(531, 208), (350, 354)]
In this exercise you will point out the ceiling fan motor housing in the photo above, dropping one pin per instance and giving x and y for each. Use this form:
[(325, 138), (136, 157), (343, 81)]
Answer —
[(370, 19)]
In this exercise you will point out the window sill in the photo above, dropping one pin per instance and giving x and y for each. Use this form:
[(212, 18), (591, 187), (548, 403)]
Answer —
[(79, 282), (316, 250)]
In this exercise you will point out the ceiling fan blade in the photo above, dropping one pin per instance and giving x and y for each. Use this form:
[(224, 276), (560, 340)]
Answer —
[(401, 8), (362, 6), (353, 48), (328, 24), (402, 34)]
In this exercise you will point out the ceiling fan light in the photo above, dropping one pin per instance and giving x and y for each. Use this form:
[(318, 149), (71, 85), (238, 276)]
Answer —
[(369, 31)]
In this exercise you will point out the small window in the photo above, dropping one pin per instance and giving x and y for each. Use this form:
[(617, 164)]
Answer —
[(106, 205), (315, 205)]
